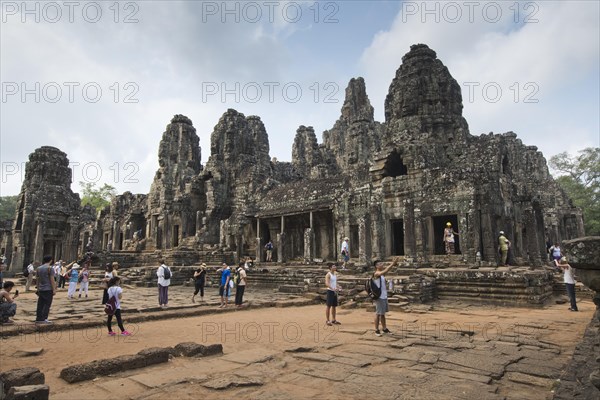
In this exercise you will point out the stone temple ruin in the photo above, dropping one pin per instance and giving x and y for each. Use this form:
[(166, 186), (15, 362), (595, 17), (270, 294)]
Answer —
[(390, 187)]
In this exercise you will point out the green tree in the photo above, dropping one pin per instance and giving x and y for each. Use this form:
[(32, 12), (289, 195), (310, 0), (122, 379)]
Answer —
[(8, 207), (97, 198), (580, 178)]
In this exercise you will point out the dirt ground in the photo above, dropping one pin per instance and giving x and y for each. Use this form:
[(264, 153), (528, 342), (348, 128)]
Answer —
[(441, 350)]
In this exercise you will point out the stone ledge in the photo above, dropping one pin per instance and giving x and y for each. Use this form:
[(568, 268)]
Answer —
[(144, 358)]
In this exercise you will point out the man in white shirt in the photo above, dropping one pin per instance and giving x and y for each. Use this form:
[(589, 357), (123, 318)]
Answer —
[(381, 304), (345, 251), (569, 281), (30, 271), (164, 280)]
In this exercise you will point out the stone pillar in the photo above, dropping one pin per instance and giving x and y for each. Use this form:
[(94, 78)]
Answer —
[(281, 242), (258, 254), (363, 241), (490, 240), (466, 245), (531, 240), (239, 245), (421, 249), (38, 247), (474, 234), (410, 245), (280, 247), (309, 246)]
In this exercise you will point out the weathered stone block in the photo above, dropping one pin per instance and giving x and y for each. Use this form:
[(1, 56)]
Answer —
[(190, 349), (21, 377), (155, 355), (29, 392), (213, 349)]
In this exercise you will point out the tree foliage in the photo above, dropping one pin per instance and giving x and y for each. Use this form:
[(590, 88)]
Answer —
[(8, 207), (580, 178), (96, 197)]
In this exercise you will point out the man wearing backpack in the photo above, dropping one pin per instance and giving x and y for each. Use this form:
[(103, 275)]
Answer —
[(381, 303), (269, 250), (164, 280)]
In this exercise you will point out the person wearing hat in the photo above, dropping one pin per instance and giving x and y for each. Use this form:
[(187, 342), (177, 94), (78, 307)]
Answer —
[(345, 251), (569, 281), (115, 267), (73, 275), (449, 238), (503, 246), (200, 278)]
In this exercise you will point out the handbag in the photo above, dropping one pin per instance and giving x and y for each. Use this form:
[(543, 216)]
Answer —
[(111, 305)]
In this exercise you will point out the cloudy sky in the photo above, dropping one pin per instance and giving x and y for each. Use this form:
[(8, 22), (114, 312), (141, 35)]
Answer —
[(101, 80)]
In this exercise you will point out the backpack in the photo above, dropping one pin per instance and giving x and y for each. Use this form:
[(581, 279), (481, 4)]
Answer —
[(237, 278), (26, 271), (166, 272), (373, 291), (111, 305)]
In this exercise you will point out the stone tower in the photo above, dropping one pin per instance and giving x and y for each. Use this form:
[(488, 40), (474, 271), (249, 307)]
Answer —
[(239, 165), (47, 215), (177, 193)]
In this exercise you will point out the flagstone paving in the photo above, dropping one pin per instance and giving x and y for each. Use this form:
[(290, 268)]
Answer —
[(274, 353)]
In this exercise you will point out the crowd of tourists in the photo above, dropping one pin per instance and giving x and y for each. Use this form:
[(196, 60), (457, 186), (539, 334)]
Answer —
[(51, 276)]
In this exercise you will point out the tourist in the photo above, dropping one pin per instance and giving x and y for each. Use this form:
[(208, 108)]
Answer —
[(30, 271), (8, 307), (84, 279), (114, 290), (381, 304), (2, 267), (555, 252), (503, 246), (56, 268), (200, 281), (73, 275), (108, 275), (109, 246), (345, 251), (569, 281), (115, 269), (240, 282), (224, 288), (164, 280), (332, 294), (449, 238), (46, 286), (269, 250), (63, 274)]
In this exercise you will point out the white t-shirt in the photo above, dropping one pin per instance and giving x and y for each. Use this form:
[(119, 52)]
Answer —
[(161, 276), (569, 276), (30, 269), (115, 291), (378, 282), (345, 246)]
